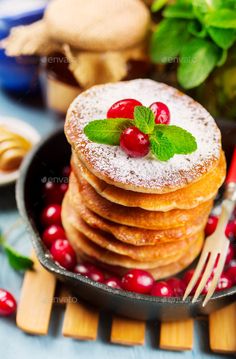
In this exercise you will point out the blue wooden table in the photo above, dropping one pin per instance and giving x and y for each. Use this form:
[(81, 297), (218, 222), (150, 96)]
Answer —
[(14, 344)]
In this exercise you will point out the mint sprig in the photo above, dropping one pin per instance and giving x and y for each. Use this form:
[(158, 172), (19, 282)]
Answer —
[(165, 140), (16, 260), (196, 34)]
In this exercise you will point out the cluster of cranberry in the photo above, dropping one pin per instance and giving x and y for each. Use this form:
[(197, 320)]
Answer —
[(134, 142), (135, 280)]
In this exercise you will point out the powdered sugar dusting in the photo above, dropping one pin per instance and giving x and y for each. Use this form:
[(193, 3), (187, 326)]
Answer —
[(112, 163)]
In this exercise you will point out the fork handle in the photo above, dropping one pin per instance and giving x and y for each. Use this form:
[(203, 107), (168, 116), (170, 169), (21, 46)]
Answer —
[(226, 213)]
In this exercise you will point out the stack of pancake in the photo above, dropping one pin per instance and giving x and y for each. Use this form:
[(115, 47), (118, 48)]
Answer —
[(124, 212)]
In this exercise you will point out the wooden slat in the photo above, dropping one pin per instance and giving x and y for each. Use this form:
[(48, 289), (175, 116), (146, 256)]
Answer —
[(80, 320), (177, 335), (222, 327), (127, 331), (36, 301)]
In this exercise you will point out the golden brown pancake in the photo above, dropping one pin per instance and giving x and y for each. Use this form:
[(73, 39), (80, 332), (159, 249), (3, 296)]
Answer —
[(159, 272), (146, 174), (110, 243), (134, 217), (138, 236), (185, 198), (81, 243)]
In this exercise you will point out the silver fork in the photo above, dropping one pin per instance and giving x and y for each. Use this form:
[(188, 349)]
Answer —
[(216, 245)]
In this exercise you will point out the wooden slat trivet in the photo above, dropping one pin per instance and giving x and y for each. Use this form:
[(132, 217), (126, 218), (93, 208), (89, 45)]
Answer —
[(127, 331), (36, 301), (222, 330), (177, 335), (80, 320)]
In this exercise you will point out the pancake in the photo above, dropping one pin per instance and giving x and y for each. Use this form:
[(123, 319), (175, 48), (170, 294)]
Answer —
[(109, 242), (134, 217), (81, 243), (146, 174), (159, 272), (138, 236), (185, 198)]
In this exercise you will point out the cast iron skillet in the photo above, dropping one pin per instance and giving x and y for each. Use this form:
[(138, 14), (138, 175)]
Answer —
[(44, 161)]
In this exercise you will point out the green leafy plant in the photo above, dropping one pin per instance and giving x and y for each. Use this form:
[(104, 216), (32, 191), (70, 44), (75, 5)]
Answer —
[(165, 140), (16, 260), (195, 33)]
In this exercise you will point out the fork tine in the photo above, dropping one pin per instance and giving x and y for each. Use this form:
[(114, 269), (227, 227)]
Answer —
[(206, 275), (196, 274), (219, 269)]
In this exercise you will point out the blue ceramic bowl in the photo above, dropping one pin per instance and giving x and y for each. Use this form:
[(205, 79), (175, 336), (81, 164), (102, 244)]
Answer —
[(19, 74)]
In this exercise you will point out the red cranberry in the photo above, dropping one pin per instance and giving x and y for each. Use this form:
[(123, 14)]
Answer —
[(90, 271), (51, 193), (7, 303), (138, 281), (231, 271), (51, 215), (224, 283), (66, 171), (113, 282), (161, 112), (63, 253), (52, 233), (123, 109), (230, 230), (83, 268), (230, 254), (96, 275), (134, 142), (54, 192), (161, 289), (177, 285), (63, 188), (188, 276), (211, 225)]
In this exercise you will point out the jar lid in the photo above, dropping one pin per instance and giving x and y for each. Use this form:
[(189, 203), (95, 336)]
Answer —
[(98, 25)]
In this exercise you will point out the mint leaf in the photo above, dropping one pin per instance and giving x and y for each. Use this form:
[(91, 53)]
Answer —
[(200, 8), (161, 147), (197, 59), (107, 132), (224, 38), (144, 119), (183, 142), (223, 58), (158, 4), (179, 11), (168, 40), (17, 260), (197, 29), (222, 18)]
